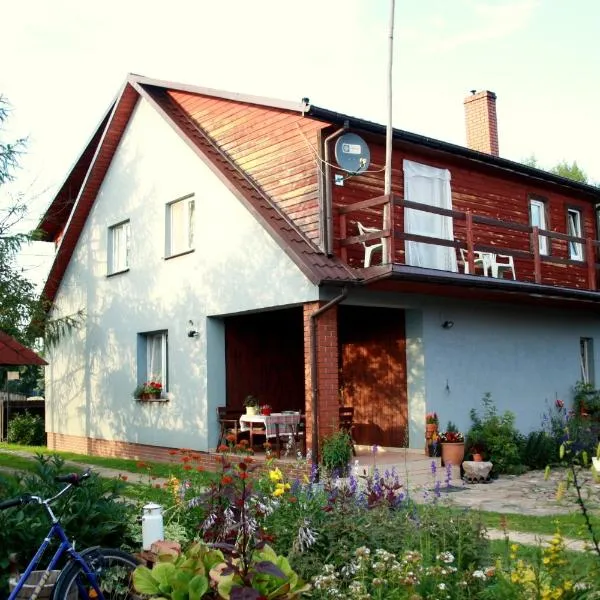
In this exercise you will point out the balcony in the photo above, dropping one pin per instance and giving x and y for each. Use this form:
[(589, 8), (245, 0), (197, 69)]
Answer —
[(473, 240)]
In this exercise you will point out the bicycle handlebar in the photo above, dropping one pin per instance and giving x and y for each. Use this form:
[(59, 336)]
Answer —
[(24, 499), (71, 479)]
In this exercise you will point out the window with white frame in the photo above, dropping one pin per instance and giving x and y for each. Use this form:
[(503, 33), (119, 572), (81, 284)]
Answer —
[(586, 355), (153, 358), (118, 248), (180, 226), (574, 229), (537, 218)]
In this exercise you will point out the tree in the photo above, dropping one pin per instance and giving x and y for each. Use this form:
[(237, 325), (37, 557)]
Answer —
[(18, 300), (570, 171), (23, 313), (563, 168)]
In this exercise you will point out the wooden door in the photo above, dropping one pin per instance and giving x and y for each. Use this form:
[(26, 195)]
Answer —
[(373, 373)]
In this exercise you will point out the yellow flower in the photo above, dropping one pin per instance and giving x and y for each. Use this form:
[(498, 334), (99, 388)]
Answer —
[(278, 492), (275, 475)]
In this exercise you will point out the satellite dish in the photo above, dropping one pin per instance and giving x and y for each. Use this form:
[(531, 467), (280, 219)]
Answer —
[(352, 153)]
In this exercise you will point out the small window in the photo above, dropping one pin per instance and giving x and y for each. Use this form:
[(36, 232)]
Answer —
[(118, 248), (586, 355), (180, 226), (537, 218), (574, 229), (152, 357)]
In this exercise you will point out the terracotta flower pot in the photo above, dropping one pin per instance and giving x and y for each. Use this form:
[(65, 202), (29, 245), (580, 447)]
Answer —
[(453, 453), (251, 410)]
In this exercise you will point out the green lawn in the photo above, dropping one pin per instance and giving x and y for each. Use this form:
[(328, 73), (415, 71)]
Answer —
[(571, 525), (159, 469)]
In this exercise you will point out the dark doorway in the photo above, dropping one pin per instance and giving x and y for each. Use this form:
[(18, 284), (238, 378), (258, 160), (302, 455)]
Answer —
[(373, 373), (265, 358)]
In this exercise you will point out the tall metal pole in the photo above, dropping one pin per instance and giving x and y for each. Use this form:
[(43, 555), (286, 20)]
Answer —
[(387, 224), (388, 136)]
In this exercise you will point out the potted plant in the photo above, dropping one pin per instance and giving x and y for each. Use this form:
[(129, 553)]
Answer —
[(149, 390), (265, 409), (587, 400), (431, 428), (452, 442), (251, 403)]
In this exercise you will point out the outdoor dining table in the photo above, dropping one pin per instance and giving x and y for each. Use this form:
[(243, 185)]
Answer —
[(274, 425)]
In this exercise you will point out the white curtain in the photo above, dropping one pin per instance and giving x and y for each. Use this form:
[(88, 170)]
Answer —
[(154, 353), (428, 185)]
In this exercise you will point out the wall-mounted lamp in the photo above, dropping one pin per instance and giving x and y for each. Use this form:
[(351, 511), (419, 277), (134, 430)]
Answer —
[(192, 333), (448, 324)]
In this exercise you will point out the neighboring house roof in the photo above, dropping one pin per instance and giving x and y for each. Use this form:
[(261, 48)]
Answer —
[(14, 353), (69, 210)]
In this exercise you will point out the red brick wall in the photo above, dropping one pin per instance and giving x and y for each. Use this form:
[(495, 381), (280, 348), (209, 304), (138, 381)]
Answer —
[(209, 460), (327, 369), (482, 123)]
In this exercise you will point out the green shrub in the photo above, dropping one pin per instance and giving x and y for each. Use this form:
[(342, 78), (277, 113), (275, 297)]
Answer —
[(539, 449), (497, 435), (336, 452), (26, 429), (93, 513)]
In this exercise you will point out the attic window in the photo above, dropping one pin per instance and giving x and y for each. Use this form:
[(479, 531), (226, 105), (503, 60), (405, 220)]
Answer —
[(118, 248), (180, 226)]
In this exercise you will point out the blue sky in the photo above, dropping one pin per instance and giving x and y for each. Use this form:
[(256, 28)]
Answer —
[(66, 60)]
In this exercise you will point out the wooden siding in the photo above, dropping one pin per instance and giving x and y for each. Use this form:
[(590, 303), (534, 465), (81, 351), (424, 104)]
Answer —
[(265, 358), (276, 148), (373, 373), (479, 189)]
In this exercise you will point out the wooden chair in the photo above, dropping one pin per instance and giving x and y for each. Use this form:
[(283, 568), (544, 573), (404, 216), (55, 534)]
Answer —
[(347, 423), (229, 423)]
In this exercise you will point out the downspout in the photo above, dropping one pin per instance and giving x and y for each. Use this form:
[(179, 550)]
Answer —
[(314, 380), (328, 208)]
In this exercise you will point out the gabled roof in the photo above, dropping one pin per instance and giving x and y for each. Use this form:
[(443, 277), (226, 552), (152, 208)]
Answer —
[(14, 353), (71, 206), (97, 156)]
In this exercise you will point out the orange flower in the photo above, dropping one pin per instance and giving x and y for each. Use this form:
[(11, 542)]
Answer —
[(123, 477), (199, 469), (248, 460), (187, 467), (292, 499), (230, 437), (222, 448), (172, 452), (226, 480), (185, 459), (141, 465), (243, 475)]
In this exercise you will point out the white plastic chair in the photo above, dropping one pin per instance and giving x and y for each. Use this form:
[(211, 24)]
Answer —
[(506, 263), (481, 259), (369, 249)]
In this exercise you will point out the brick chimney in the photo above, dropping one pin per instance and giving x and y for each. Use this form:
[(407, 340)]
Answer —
[(482, 124)]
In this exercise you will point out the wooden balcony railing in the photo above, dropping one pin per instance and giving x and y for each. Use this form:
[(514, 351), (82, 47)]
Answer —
[(474, 233)]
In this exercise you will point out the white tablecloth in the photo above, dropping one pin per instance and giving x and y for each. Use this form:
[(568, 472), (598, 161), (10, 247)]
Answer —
[(274, 423)]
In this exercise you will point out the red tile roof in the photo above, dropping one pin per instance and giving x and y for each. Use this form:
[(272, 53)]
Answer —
[(14, 353)]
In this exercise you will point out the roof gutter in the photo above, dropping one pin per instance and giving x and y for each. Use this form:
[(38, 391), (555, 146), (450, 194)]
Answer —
[(314, 379)]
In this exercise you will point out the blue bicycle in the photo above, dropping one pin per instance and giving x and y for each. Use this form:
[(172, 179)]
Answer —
[(94, 573)]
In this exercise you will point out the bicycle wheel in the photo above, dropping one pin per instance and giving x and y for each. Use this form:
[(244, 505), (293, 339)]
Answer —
[(113, 569)]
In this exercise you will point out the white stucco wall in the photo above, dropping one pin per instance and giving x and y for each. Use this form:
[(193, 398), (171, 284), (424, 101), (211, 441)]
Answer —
[(525, 356), (236, 266)]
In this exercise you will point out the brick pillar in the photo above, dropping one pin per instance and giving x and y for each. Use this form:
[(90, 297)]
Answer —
[(482, 123), (327, 370)]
